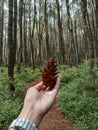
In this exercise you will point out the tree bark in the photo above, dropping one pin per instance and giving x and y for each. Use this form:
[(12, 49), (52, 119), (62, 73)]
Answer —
[(32, 36), (11, 57), (25, 37), (71, 47), (46, 31), (61, 39), (96, 11), (88, 32), (1, 29), (21, 32)]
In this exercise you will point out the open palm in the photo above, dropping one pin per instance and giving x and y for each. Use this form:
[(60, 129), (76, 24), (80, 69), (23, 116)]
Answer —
[(38, 102), (41, 100)]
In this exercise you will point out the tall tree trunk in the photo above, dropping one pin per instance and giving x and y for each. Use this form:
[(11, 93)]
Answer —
[(25, 37), (96, 1), (88, 32), (46, 30), (21, 34), (5, 56), (76, 43), (11, 46), (29, 36), (55, 36), (61, 39), (1, 29), (40, 35), (71, 47), (32, 35), (15, 29)]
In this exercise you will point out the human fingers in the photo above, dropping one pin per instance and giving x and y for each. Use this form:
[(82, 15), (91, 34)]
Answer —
[(39, 86), (57, 83), (54, 91)]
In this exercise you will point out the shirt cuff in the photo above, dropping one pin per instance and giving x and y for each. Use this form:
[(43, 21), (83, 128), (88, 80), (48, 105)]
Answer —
[(23, 124)]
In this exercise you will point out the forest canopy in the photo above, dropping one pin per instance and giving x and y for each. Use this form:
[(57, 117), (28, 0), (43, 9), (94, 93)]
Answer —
[(36, 30)]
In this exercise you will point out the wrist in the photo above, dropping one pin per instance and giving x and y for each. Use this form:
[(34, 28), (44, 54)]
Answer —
[(31, 115)]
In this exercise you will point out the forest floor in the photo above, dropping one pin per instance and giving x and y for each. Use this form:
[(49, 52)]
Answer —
[(53, 120)]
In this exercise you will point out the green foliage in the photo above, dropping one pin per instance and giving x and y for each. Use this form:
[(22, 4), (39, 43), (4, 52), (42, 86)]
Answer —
[(11, 103), (78, 96)]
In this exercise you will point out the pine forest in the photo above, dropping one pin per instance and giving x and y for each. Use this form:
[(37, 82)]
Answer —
[(41, 39)]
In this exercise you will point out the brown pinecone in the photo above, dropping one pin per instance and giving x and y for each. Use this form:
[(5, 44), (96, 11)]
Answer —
[(49, 75)]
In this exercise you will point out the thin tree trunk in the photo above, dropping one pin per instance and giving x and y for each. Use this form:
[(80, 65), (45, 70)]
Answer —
[(25, 38), (40, 35), (88, 32), (32, 35), (29, 36), (11, 47), (46, 30), (96, 1), (61, 39), (21, 34), (71, 48), (1, 37), (76, 43)]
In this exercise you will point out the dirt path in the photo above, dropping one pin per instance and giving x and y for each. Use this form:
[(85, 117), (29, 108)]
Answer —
[(54, 120)]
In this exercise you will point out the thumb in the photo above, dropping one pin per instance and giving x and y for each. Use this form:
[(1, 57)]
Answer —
[(39, 86)]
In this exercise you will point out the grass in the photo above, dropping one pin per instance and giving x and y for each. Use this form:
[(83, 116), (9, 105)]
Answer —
[(10, 106), (78, 96)]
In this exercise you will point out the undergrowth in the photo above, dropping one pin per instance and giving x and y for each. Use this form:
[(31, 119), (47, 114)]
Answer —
[(10, 106), (78, 96)]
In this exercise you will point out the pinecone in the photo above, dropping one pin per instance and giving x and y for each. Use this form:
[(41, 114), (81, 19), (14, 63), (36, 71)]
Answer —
[(49, 75)]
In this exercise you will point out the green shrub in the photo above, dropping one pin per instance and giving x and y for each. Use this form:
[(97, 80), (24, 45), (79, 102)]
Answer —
[(11, 103), (77, 98)]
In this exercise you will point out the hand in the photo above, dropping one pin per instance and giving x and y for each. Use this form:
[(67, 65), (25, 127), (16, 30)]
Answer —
[(38, 102)]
